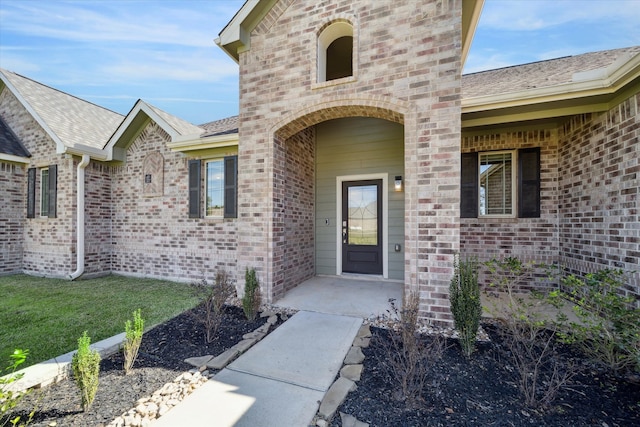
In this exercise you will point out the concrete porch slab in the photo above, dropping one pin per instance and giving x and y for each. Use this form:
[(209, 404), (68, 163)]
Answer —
[(344, 295)]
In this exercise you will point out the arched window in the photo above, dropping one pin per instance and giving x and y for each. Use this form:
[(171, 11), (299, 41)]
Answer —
[(335, 52)]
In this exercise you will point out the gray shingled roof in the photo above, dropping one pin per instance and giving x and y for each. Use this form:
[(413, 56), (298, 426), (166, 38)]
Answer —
[(181, 126), (224, 126), (540, 74), (10, 143), (73, 120)]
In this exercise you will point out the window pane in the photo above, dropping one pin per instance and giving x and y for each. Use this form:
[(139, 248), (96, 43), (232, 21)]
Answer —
[(363, 215), (496, 184), (215, 188), (44, 192)]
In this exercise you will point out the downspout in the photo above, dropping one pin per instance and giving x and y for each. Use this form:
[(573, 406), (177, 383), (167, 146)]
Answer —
[(80, 218)]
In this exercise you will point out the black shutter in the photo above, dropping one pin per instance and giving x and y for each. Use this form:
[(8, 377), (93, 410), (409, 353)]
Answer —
[(195, 171), (53, 180), (529, 182), (31, 193), (469, 186), (231, 187)]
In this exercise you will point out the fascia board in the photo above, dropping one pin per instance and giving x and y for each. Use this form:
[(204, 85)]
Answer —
[(196, 143), (471, 11), (614, 81), (60, 146), (81, 149), (14, 159), (231, 34)]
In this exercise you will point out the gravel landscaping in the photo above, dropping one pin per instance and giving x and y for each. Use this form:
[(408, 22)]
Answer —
[(481, 391)]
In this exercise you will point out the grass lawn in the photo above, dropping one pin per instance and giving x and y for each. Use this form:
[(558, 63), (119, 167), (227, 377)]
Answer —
[(47, 316)]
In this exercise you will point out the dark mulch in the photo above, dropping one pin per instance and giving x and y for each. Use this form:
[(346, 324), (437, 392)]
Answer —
[(483, 391), (160, 360)]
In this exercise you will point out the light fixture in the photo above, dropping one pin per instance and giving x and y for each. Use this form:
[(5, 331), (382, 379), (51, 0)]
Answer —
[(398, 184)]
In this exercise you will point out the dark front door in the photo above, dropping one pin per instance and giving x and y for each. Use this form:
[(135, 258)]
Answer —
[(362, 227)]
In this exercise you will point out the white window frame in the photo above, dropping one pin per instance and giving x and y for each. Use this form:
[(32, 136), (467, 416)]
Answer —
[(328, 36), (206, 187), (44, 191), (514, 184)]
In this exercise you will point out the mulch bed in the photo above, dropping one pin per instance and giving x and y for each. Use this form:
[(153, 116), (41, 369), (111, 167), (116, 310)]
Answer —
[(160, 360), (481, 391)]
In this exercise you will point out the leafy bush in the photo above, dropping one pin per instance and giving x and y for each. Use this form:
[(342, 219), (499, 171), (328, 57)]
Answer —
[(529, 336), (410, 355), (464, 295), (86, 368), (608, 330), (9, 399), (214, 303), (132, 341), (252, 299)]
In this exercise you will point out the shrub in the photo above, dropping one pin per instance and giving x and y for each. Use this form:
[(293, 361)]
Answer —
[(410, 354), (9, 399), (530, 338), (86, 368), (214, 302), (132, 341), (608, 330), (464, 295), (252, 299)]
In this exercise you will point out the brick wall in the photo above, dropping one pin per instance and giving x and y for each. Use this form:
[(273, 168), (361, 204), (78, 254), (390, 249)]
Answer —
[(600, 191), (98, 211), (407, 70), (48, 242), (152, 234), (12, 216)]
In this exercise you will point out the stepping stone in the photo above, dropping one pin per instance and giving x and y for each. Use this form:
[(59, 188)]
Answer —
[(335, 396), (354, 356), (351, 421), (267, 313), (361, 342), (198, 361), (223, 359), (244, 345), (272, 320), (351, 372), (364, 332)]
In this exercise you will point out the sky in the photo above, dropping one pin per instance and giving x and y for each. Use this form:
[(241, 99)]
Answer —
[(113, 52)]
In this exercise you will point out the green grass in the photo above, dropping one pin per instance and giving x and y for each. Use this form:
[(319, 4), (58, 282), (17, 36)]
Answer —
[(47, 316)]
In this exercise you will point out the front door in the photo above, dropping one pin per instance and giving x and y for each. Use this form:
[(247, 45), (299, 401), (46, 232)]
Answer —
[(362, 226)]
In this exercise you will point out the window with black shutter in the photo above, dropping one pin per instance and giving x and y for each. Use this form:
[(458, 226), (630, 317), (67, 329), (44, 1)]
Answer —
[(529, 182), (231, 187), (53, 185), (194, 188), (31, 193), (469, 186)]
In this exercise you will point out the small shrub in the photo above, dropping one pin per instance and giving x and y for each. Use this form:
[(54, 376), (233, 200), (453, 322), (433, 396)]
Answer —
[(530, 338), (86, 368), (132, 341), (252, 299), (9, 399), (608, 330), (464, 295), (214, 303), (410, 355)]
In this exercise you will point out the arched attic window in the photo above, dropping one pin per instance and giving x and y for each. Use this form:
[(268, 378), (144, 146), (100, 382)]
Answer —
[(335, 52)]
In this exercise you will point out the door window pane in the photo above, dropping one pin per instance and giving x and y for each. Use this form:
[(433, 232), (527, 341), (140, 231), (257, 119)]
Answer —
[(363, 215)]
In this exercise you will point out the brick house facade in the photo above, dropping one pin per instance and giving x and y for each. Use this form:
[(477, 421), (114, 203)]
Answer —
[(316, 131)]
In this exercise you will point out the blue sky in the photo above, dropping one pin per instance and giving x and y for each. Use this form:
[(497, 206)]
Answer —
[(114, 52)]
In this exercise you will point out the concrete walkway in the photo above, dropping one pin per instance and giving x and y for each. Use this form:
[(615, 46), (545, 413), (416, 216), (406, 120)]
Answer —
[(278, 383)]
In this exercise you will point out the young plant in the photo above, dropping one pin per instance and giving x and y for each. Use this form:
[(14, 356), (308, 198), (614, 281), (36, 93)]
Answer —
[(132, 341), (9, 398), (86, 368), (252, 299), (464, 295), (529, 337), (410, 355), (214, 303), (608, 330)]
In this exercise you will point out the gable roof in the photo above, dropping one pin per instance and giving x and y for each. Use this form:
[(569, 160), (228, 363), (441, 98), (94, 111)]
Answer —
[(137, 119), (224, 126), (70, 121), (10, 145), (548, 89)]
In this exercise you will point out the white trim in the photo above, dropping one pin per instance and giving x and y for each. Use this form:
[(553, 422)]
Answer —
[(385, 218), (14, 159)]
